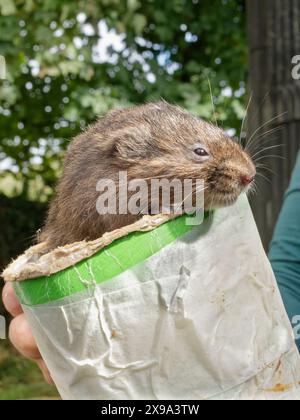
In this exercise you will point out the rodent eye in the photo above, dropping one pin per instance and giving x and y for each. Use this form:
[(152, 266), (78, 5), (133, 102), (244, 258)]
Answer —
[(201, 152)]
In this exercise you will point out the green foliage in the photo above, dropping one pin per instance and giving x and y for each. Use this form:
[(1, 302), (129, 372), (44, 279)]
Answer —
[(56, 84), (21, 378), (16, 223), (19, 220)]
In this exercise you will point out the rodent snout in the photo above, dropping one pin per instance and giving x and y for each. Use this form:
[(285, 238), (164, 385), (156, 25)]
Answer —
[(247, 179)]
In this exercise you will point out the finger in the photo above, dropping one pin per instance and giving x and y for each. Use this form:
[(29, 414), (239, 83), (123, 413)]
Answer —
[(10, 300), (45, 371), (21, 337)]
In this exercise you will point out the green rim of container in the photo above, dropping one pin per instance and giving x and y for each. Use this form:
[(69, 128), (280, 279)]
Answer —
[(121, 255)]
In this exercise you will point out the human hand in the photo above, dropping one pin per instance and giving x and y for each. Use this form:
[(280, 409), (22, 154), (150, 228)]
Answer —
[(20, 333)]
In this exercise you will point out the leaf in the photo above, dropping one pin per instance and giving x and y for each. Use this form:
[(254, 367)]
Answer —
[(7, 7), (139, 22), (29, 6), (132, 5), (54, 86)]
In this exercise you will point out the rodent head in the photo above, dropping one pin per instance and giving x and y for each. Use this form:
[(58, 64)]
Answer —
[(162, 140)]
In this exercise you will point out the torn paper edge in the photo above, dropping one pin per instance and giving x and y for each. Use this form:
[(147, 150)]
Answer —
[(38, 262)]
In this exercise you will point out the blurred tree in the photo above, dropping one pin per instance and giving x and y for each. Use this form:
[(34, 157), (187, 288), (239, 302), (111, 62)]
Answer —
[(69, 61), (274, 111)]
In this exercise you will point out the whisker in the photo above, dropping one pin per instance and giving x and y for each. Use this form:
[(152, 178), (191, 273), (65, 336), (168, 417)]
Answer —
[(277, 128), (210, 208), (266, 168), (252, 190), (260, 107), (212, 102), (257, 137), (261, 104), (270, 156), (197, 190), (256, 188), (266, 148), (262, 126), (245, 117), (264, 177), (256, 141)]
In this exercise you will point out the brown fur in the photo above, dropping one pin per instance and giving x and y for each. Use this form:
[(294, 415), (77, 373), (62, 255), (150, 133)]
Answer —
[(147, 141)]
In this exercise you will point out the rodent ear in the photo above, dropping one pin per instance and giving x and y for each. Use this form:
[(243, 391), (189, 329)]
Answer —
[(130, 143), (120, 147), (114, 151)]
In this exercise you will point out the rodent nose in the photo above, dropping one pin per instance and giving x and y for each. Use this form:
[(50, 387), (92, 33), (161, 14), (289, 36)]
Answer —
[(247, 179)]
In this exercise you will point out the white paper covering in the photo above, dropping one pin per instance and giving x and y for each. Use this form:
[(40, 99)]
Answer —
[(201, 319)]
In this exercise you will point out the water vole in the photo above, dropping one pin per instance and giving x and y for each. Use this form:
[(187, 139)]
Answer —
[(148, 141)]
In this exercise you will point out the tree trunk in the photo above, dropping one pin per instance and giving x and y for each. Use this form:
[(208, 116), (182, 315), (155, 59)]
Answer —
[(274, 39)]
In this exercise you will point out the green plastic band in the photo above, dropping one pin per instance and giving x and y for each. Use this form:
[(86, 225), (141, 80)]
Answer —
[(122, 254)]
